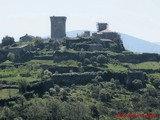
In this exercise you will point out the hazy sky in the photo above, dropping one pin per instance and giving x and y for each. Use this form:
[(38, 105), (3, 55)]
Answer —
[(140, 18)]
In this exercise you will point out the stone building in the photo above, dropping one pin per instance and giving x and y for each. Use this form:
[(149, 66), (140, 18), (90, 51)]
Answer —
[(103, 39), (110, 40), (17, 50), (102, 31), (87, 33), (26, 38), (58, 27)]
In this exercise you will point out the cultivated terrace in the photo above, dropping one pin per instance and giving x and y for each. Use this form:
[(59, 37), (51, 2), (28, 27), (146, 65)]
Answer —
[(76, 79)]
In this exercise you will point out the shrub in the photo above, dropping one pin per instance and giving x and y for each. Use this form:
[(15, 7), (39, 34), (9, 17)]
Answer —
[(57, 88), (101, 59), (39, 43), (104, 95), (11, 56), (46, 75), (156, 83), (97, 79), (94, 112), (22, 85), (7, 41), (52, 91), (87, 61), (137, 84), (93, 59)]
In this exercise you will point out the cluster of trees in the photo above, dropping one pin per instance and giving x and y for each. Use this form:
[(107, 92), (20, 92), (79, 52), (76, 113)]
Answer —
[(7, 41), (118, 99), (109, 98), (46, 109), (99, 60), (37, 43), (51, 45)]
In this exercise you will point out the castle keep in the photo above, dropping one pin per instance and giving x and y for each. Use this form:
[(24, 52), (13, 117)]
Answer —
[(58, 27)]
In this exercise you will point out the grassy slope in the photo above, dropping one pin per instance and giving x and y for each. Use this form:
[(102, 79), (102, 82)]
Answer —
[(6, 93)]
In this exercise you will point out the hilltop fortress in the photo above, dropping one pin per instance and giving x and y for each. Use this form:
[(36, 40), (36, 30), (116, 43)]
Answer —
[(103, 39)]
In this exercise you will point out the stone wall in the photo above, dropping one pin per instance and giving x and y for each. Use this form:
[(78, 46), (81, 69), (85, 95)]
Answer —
[(138, 58), (128, 58), (68, 79), (60, 69)]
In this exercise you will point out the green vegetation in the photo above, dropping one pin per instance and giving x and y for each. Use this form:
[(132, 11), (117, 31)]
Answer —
[(7, 93), (30, 72), (145, 65), (154, 76), (116, 68), (67, 63), (56, 83), (11, 57), (7, 41), (44, 62), (55, 63)]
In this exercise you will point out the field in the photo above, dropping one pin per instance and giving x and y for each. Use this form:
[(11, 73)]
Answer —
[(7, 93)]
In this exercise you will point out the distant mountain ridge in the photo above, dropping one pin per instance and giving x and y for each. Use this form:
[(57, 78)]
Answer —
[(139, 45), (158, 43), (130, 43)]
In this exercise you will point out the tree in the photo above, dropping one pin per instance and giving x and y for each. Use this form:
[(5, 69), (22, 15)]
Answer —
[(55, 44), (52, 91), (11, 56), (39, 43), (93, 59), (81, 69), (47, 75), (7, 41), (37, 110), (57, 88), (7, 114), (104, 95), (137, 84), (87, 61), (55, 109), (101, 59), (97, 79), (63, 95), (82, 55), (3, 55), (75, 111), (94, 112), (22, 85), (156, 83)]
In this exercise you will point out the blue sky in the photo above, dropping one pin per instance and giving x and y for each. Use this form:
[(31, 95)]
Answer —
[(139, 18)]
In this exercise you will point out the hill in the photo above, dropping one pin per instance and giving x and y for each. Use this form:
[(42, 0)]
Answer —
[(139, 45), (61, 83), (158, 43)]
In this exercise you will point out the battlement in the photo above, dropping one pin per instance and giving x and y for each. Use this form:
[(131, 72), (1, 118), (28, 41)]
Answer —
[(63, 18)]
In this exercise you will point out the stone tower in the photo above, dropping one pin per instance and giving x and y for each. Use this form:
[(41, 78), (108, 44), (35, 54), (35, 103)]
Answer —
[(101, 26), (58, 27)]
